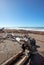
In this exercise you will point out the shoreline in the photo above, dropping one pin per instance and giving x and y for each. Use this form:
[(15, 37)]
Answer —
[(23, 31)]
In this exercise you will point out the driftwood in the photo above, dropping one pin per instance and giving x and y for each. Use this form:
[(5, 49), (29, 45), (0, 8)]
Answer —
[(10, 60)]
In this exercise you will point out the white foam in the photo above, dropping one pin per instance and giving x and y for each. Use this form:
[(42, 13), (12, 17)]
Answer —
[(31, 29)]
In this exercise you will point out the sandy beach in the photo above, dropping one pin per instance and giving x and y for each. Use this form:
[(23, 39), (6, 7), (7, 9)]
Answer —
[(9, 48)]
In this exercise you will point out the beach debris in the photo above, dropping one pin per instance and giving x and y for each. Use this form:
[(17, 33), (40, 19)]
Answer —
[(29, 44), (2, 29), (18, 39)]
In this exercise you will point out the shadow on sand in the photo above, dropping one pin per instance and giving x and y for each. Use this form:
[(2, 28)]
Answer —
[(37, 59)]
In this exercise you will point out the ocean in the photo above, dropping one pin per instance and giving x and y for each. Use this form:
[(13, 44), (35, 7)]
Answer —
[(27, 28), (32, 28)]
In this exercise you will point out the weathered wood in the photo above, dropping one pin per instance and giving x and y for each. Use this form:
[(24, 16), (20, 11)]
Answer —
[(9, 61), (22, 61)]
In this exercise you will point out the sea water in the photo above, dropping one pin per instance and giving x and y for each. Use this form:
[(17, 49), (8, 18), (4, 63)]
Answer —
[(33, 28), (27, 28)]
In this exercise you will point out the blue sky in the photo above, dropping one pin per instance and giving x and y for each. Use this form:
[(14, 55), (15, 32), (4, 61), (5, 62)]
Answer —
[(21, 13)]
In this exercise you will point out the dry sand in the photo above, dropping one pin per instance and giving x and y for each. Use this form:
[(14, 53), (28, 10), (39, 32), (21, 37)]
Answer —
[(39, 41), (9, 48)]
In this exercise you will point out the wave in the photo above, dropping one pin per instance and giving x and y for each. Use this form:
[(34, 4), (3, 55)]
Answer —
[(32, 29), (27, 28)]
